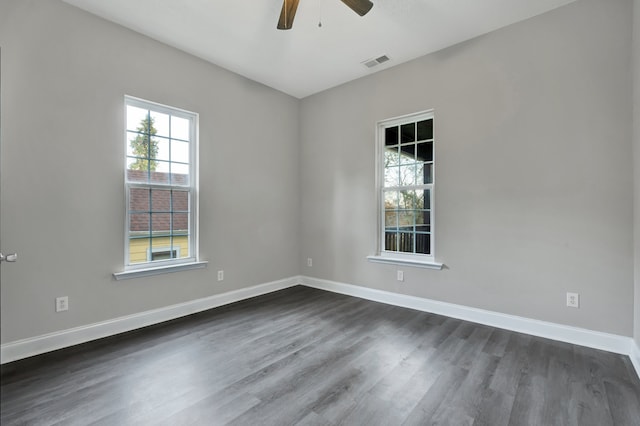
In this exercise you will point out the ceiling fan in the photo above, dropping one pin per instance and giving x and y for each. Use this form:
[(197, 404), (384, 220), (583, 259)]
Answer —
[(361, 7)]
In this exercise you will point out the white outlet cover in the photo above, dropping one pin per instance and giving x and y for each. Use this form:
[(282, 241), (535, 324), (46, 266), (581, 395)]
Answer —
[(573, 300), (62, 304)]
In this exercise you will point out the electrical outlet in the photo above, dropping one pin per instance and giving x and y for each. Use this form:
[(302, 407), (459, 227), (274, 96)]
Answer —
[(220, 275), (309, 262), (400, 276), (573, 300), (62, 304)]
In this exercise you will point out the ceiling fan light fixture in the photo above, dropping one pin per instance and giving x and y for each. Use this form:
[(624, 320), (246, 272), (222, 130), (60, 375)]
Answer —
[(287, 14), (289, 7), (361, 7)]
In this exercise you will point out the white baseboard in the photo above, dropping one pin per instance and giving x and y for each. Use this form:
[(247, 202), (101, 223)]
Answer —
[(579, 336), (20, 349)]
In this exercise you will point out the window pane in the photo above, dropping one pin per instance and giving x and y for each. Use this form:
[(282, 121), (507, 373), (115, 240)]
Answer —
[(142, 152), (159, 124), (406, 220), (160, 200), (179, 174), (142, 145), (139, 199), (391, 176), (390, 219), (425, 129), (138, 249), (180, 128), (423, 243), (181, 223), (391, 136), (408, 133), (391, 157), (426, 200), (424, 173), (160, 166), (159, 177), (141, 165), (180, 201), (160, 223), (162, 249), (405, 242), (131, 146), (407, 199), (391, 241), (139, 224), (423, 220), (137, 170), (425, 151), (162, 145), (135, 116), (408, 174), (407, 154), (414, 199), (419, 199), (180, 151), (391, 200), (181, 245)]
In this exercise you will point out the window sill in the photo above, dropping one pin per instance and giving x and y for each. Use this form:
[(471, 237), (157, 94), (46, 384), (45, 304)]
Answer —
[(409, 262), (137, 273)]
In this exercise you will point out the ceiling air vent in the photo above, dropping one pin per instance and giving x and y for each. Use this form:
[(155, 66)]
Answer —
[(370, 63)]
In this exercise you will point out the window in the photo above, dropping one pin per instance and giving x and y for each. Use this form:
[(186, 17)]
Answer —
[(160, 179), (405, 155)]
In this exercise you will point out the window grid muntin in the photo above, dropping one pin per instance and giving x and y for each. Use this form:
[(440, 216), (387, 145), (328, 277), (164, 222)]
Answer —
[(154, 137), (171, 184), (418, 136), (152, 210), (170, 233)]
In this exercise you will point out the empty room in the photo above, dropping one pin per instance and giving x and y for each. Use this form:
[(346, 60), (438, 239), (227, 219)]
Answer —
[(320, 212)]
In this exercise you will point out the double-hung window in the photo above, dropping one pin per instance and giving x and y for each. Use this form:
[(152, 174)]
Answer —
[(405, 174), (161, 184)]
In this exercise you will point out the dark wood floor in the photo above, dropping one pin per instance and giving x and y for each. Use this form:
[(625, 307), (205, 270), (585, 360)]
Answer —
[(308, 357)]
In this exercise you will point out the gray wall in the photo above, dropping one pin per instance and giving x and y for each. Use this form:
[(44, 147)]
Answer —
[(533, 178), (636, 162), (64, 76)]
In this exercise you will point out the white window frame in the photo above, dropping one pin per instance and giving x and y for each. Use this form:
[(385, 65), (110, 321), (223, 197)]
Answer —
[(161, 266), (394, 257)]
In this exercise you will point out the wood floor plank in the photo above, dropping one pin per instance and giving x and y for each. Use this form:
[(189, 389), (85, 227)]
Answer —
[(528, 405), (513, 364), (497, 342), (624, 402), (495, 409), (308, 357), (444, 388)]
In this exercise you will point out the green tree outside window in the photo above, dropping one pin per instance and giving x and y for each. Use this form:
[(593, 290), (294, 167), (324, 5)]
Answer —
[(145, 146)]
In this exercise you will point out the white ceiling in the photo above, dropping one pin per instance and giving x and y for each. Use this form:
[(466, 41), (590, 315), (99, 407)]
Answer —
[(241, 35)]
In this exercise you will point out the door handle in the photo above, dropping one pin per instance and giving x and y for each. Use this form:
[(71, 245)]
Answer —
[(9, 258)]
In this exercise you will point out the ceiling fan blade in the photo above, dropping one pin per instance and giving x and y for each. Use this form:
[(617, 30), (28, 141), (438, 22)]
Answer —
[(287, 14), (361, 7)]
